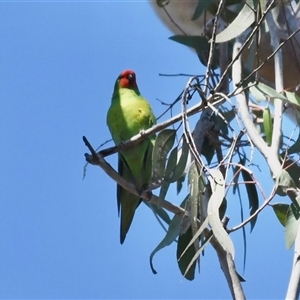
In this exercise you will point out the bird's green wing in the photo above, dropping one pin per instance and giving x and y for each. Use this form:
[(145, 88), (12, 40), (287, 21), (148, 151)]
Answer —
[(127, 202)]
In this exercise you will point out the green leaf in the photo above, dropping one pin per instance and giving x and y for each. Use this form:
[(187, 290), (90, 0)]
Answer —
[(296, 207), (199, 43), (182, 162), (292, 167), (193, 181), (171, 235), (163, 192), (196, 236), (268, 125), (200, 250), (163, 144), (171, 164), (243, 21), (193, 204), (218, 192), (291, 228), (207, 150), (252, 196), (293, 99), (184, 261), (236, 188), (262, 92), (179, 183), (283, 182), (159, 212), (295, 148), (201, 6), (281, 210)]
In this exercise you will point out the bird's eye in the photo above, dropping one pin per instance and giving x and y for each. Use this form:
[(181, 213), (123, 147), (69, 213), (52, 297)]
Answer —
[(130, 77)]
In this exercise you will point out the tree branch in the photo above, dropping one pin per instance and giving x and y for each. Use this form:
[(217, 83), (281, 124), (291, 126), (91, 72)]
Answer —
[(294, 283), (226, 261)]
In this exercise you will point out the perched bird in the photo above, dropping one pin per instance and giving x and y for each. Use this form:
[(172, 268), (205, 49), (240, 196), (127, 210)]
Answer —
[(129, 114)]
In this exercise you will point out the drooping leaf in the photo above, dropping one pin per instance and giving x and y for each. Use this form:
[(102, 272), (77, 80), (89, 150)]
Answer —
[(218, 192), (163, 144), (184, 261), (197, 235), (283, 182), (197, 254), (237, 188), (243, 21), (293, 98), (295, 206), (163, 192), (291, 228), (262, 92), (182, 162), (281, 210), (292, 167), (252, 196), (268, 125), (179, 183), (171, 235), (171, 164), (159, 211), (201, 6), (193, 181), (207, 150), (193, 204)]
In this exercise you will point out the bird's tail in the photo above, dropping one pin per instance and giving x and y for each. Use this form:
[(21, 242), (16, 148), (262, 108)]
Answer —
[(129, 204)]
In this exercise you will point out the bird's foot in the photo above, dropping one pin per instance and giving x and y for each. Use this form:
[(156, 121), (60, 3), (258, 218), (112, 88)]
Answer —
[(142, 132), (149, 195)]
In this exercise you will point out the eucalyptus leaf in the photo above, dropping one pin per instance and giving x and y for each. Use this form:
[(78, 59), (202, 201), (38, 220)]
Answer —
[(184, 260), (171, 165), (243, 21), (163, 144), (182, 162), (268, 125), (218, 192), (262, 92), (159, 212), (283, 181), (201, 6), (281, 210), (171, 235), (163, 192), (252, 196), (291, 228)]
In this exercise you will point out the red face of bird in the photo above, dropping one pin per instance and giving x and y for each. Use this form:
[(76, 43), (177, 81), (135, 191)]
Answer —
[(127, 80)]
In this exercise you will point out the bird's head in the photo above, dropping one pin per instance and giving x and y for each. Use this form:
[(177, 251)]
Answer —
[(127, 80)]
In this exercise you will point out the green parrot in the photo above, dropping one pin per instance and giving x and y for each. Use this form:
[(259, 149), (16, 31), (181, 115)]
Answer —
[(129, 114)]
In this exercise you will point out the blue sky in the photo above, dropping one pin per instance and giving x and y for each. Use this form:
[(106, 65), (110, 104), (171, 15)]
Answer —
[(59, 234)]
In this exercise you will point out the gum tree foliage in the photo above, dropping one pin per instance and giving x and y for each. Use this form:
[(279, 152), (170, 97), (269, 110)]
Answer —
[(250, 50)]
